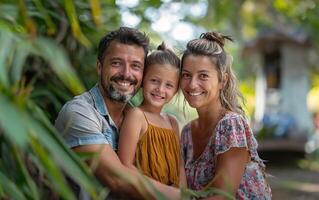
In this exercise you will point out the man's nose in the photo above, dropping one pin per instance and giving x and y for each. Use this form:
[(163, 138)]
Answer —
[(126, 71)]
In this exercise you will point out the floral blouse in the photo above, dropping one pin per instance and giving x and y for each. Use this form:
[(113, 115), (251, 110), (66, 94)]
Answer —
[(231, 131)]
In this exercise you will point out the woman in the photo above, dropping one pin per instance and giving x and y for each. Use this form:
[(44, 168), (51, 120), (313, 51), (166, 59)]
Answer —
[(219, 148)]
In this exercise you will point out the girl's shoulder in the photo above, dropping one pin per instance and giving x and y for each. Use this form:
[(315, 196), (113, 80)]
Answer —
[(134, 113), (174, 122), (172, 118)]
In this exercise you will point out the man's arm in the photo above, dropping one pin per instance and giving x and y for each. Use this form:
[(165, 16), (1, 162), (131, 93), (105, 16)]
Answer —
[(109, 167)]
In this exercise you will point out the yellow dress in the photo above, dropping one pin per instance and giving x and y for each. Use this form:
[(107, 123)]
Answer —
[(158, 155)]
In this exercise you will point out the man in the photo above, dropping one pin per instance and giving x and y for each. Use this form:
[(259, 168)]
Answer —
[(90, 122)]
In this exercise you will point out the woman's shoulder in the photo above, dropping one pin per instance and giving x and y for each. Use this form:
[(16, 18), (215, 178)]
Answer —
[(232, 123), (233, 118), (189, 124)]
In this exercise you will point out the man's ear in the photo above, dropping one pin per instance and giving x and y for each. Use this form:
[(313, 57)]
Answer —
[(98, 67)]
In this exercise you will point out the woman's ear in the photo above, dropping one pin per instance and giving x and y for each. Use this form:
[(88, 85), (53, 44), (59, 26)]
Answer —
[(224, 80)]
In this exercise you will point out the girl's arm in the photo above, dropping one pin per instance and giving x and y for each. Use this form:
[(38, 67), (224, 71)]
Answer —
[(182, 176), (129, 136), (230, 170)]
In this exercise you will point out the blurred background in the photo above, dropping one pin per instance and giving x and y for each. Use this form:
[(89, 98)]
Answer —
[(48, 51)]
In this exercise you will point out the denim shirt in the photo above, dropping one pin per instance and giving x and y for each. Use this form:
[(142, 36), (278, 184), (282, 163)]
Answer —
[(85, 120)]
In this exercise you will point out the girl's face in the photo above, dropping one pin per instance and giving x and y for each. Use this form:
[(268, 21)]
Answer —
[(199, 81), (160, 84)]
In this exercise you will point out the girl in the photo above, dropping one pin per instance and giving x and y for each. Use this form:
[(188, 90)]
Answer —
[(149, 139), (219, 148)]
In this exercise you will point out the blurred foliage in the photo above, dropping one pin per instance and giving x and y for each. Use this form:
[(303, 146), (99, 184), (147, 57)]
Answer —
[(48, 55), (46, 48)]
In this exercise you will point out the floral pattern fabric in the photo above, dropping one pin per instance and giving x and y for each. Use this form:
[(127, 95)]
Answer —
[(231, 131)]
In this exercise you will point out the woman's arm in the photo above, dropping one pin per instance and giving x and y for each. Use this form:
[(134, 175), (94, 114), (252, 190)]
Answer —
[(230, 170), (182, 175), (129, 136)]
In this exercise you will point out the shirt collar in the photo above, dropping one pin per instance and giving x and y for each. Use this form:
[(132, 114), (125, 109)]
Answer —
[(99, 103)]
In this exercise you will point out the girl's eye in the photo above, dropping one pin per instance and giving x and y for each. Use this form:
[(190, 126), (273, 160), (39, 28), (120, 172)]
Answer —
[(169, 85), (154, 80)]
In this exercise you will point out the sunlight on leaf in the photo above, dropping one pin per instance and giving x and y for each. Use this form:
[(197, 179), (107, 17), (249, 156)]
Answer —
[(76, 29), (96, 12), (44, 13)]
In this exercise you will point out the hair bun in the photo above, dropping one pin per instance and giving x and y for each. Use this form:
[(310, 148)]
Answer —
[(216, 37), (162, 47)]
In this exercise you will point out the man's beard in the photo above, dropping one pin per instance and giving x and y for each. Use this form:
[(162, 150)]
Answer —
[(116, 95)]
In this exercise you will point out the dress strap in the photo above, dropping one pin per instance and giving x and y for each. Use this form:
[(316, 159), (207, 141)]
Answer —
[(170, 121), (145, 118)]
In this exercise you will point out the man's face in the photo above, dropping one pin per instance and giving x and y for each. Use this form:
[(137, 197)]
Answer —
[(121, 72)]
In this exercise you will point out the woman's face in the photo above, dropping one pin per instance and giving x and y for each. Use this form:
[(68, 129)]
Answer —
[(199, 81)]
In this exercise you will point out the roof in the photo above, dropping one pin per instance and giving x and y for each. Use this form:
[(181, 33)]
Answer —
[(270, 38)]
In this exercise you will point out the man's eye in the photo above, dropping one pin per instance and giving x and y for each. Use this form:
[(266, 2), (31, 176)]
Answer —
[(116, 63), (136, 66)]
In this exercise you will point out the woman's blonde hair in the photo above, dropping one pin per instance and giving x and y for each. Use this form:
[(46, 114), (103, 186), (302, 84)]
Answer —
[(211, 44)]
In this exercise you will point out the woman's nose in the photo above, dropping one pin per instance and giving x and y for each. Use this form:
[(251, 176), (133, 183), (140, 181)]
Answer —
[(192, 83)]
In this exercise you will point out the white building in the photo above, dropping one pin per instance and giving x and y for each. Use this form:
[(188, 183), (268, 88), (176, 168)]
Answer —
[(280, 60)]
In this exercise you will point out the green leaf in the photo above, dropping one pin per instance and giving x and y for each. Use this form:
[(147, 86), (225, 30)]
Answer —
[(25, 180), (44, 13), (5, 49), (22, 50), (10, 189), (53, 171), (62, 155), (76, 29), (12, 121), (61, 66)]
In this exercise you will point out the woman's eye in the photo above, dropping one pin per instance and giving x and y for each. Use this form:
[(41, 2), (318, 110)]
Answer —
[(203, 76), (185, 75)]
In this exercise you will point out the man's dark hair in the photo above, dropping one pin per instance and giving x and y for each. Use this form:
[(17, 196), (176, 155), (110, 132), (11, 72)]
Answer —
[(124, 35)]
